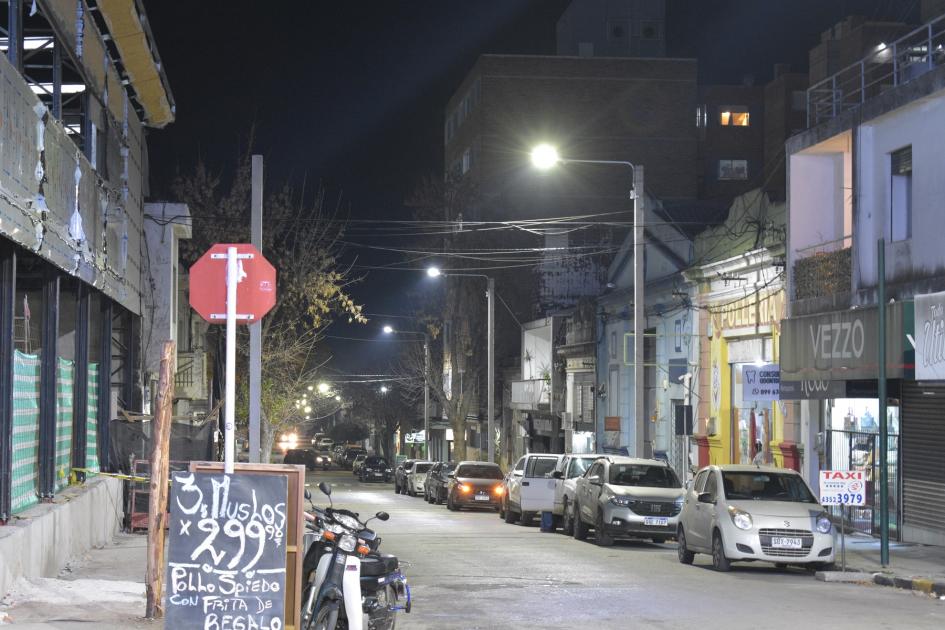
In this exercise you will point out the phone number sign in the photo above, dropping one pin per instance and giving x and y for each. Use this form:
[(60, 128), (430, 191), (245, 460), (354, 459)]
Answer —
[(842, 487)]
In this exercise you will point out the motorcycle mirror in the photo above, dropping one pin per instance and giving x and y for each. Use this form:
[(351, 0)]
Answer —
[(383, 516), (308, 495), (325, 488)]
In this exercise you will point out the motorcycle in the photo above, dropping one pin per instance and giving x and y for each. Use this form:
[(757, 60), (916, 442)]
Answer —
[(349, 584)]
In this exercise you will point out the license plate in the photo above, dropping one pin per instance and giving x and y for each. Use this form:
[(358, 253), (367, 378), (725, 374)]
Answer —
[(378, 474), (780, 542), (662, 521), (482, 497)]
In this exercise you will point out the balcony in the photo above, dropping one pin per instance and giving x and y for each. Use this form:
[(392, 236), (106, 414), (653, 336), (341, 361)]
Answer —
[(531, 394), (889, 66), (190, 382), (824, 269)]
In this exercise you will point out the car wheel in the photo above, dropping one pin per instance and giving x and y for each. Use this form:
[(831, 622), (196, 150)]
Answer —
[(685, 556), (502, 509), (580, 528), (719, 561), (567, 520), (603, 538), (438, 499), (509, 514), (822, 566), (525, 518), (450, 505), (396, 488)]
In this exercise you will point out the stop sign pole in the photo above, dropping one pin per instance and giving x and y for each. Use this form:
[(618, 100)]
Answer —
[(233, 278)]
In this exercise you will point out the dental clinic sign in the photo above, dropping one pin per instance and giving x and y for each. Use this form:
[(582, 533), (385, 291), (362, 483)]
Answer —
[(930, 337), (761, 383)]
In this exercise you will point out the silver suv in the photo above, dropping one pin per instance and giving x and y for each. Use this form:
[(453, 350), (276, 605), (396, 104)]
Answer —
[(626, 497)]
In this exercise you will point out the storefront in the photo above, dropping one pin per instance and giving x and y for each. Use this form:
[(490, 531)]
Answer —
[(829, 377)]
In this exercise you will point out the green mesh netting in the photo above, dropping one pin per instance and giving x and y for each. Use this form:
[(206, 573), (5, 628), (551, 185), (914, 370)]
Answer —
[(25, 430)]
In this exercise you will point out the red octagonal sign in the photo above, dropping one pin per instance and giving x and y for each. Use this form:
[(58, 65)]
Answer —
[(255, 294)]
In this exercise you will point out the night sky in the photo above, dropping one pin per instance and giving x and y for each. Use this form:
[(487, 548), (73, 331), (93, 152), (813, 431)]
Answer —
[(352, 93)]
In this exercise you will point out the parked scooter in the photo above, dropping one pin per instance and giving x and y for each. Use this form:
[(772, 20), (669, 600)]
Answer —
[(349, 584)]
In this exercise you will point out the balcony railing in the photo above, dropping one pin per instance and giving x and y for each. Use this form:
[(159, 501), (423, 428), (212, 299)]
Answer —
[(889, 65), (530, 394), (824, 269)]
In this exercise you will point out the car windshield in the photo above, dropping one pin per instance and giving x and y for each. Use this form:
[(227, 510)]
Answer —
[(422, 468), (765, 486), (579, 466), (479, 472), (643, 475), (446, 469), (375, 461)]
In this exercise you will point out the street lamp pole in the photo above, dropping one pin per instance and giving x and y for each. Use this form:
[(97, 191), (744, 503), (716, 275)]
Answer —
[(545, 157), (426, 384)]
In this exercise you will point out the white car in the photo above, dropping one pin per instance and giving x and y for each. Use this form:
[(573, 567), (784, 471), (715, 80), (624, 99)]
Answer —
[(530, 488), (754, 513), (416, 476), (324, 444), (569, 469)]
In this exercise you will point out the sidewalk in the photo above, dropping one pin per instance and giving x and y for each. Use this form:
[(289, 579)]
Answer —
[(911, 566), (105, 587)]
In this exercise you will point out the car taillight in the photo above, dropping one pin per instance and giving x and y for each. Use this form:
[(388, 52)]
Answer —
[(499, 490)]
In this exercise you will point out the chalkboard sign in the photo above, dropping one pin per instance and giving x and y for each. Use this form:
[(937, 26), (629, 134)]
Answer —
[(226, 558)]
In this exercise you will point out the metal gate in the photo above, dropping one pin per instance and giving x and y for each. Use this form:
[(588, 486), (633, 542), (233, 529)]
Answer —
[(857, 450), (923, 462)]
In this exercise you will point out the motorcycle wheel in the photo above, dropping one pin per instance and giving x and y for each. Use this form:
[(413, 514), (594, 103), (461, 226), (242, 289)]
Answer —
[(326, 619)]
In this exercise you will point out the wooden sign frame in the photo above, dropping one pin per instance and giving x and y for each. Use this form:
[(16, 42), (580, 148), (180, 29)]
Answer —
[(295, 526)]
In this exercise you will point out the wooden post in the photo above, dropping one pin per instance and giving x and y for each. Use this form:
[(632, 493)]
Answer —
[(154, 578)]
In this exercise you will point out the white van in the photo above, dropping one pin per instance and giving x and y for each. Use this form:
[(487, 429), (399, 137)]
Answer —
[(530, 488)]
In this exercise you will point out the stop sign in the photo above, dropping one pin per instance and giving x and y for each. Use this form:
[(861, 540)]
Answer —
[(255, 293)]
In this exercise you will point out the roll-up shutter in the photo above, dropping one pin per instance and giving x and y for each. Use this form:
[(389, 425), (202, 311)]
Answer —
[(922, 449)]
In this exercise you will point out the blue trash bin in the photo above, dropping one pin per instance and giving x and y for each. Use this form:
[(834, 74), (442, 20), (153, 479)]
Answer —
[(547, 522)]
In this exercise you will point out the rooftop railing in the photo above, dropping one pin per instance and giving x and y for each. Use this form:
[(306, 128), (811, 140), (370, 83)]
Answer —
[(901, 61)]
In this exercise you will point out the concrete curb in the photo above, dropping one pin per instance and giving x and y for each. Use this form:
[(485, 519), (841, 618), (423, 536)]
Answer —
[(923, 585)]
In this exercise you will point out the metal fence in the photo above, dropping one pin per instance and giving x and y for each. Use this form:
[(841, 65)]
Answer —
[(910, 56), (857, 450)]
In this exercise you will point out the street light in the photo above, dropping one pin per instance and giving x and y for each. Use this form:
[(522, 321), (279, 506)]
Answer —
[(383, 389), (338, 398), (310, 388), (323, 388), (544, 157), (434, 272), (308, 410), (389, 330)]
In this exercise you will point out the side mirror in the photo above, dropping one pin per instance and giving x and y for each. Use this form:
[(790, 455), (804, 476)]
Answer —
[(382, 516), (517, 473), (325, 488), (308, 495), (594, 480), (557, 474), (452, 475), (693, 468), (706, 497)]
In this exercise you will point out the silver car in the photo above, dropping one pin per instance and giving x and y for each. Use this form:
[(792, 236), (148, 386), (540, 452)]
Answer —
[(626, 497), (569, 470), (754, 513)]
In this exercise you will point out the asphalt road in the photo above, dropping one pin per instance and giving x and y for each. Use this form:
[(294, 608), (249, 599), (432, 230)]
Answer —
[(470, 570)]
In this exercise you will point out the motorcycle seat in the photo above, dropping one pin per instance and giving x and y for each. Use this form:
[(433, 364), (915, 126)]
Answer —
[(378, 564)]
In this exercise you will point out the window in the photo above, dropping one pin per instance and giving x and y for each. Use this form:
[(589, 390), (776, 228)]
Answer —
[(643, 476), (701, 116), (595, 470), (712, 485), (733, 169), (541, 466), (731, 116), (578, 466), (467, 161), (520, 466), (699, 483), (900, 207)]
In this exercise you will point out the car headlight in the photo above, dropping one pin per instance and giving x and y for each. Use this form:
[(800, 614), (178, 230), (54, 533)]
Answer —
[(621, 501), (823, 524), (318, 459), (347, 543), (740, 518)]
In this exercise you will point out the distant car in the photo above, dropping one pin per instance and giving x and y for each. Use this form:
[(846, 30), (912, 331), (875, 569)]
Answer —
[(416, 475), (324, 444), (475, 484), (374, 468), (738, 512), (302, 456), (350, 454), (434, 487), (569, 469), (626, 497), (400, 476), (356, 464), (529, 487)]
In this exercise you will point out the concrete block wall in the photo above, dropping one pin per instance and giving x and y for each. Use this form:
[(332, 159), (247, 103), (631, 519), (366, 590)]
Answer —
[(44, 538)]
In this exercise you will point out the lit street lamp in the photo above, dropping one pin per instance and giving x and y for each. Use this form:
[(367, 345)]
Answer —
[(389, 330), (434, 272), (323, 388), (383, 389), (545, 157)]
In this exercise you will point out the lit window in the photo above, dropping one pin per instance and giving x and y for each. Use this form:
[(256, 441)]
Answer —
[(900, 207), (467, 161), (733, 169), (733, 117)]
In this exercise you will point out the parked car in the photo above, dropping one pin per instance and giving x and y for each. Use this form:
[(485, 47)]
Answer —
[(754, 513), (400, 476), (324, 459), (529, 487), (356, 464), (324, 443), (302, 456), (475, 484), (434, 488), (626, 497), (374, 468), (569, 469), (416, 475), (350, 454)]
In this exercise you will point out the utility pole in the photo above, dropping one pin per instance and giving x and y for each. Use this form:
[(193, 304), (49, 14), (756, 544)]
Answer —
[(883, 423), (490, 402), (255, 328), (643, 447), (426, 396)]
